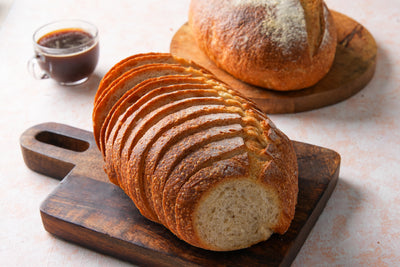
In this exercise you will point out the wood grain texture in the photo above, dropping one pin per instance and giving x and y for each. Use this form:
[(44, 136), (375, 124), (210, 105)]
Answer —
[(352, 69), (88, 210)]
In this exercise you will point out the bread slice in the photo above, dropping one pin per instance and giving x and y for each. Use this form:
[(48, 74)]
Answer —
[(221, 209), (202, 157)]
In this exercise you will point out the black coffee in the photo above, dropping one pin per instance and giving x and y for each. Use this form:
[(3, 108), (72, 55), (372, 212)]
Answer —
[(71, 67)]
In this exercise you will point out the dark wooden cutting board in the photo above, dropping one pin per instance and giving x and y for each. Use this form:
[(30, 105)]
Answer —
[(352, 69), (88, 210)]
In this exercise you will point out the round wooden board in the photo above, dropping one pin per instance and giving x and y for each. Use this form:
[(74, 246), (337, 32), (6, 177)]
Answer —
[(353, 68)]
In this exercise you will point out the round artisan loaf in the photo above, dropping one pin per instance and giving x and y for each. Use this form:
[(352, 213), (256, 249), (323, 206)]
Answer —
[(280, 45), (198, 158)]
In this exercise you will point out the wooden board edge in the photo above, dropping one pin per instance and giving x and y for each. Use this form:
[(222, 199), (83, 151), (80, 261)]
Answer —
[(106, 245)]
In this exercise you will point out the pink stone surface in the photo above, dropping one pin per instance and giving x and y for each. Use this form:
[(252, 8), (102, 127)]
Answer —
[(360, 225)]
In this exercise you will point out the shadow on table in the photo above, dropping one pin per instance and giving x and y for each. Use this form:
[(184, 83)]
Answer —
[(371, 101), (88, 89)]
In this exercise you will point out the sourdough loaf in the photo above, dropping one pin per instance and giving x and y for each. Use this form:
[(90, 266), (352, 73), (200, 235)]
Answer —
[(197, 157), (281, 45)]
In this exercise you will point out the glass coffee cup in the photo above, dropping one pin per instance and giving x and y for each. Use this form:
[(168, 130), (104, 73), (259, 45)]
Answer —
[(66, 51)]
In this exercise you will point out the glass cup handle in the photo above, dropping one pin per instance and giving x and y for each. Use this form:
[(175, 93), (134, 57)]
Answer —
[(35, 70)]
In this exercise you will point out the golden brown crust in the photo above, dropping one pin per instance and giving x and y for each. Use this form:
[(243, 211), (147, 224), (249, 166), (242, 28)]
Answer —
[(126, 82), (110, 88), (256, 42), (113, 74), (117, 89), (283, 165), (135, 61), (130, 97)]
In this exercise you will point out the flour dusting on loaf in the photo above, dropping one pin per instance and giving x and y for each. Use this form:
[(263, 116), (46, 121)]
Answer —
[(196, 156), (283, 22)]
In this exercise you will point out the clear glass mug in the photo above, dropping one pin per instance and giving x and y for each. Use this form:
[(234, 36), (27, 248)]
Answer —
[(66, 51)]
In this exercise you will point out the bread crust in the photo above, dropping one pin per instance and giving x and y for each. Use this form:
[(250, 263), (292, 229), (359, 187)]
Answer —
[(116, 78), (243, 38), (123, 84), (130, 97), (113, 74), (283, 165), (136, 61), (128, 64)]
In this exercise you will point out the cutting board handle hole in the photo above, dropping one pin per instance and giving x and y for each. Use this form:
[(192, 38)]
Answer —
[(62, 141)]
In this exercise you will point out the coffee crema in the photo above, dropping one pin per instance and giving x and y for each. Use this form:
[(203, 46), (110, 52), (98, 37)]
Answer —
[(65, 38)]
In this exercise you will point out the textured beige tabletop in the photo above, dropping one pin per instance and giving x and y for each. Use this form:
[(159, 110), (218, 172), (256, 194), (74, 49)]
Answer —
[(360, 225)]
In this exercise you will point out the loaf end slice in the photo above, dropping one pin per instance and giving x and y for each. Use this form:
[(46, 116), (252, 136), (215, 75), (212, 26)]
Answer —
[(236, 214)]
